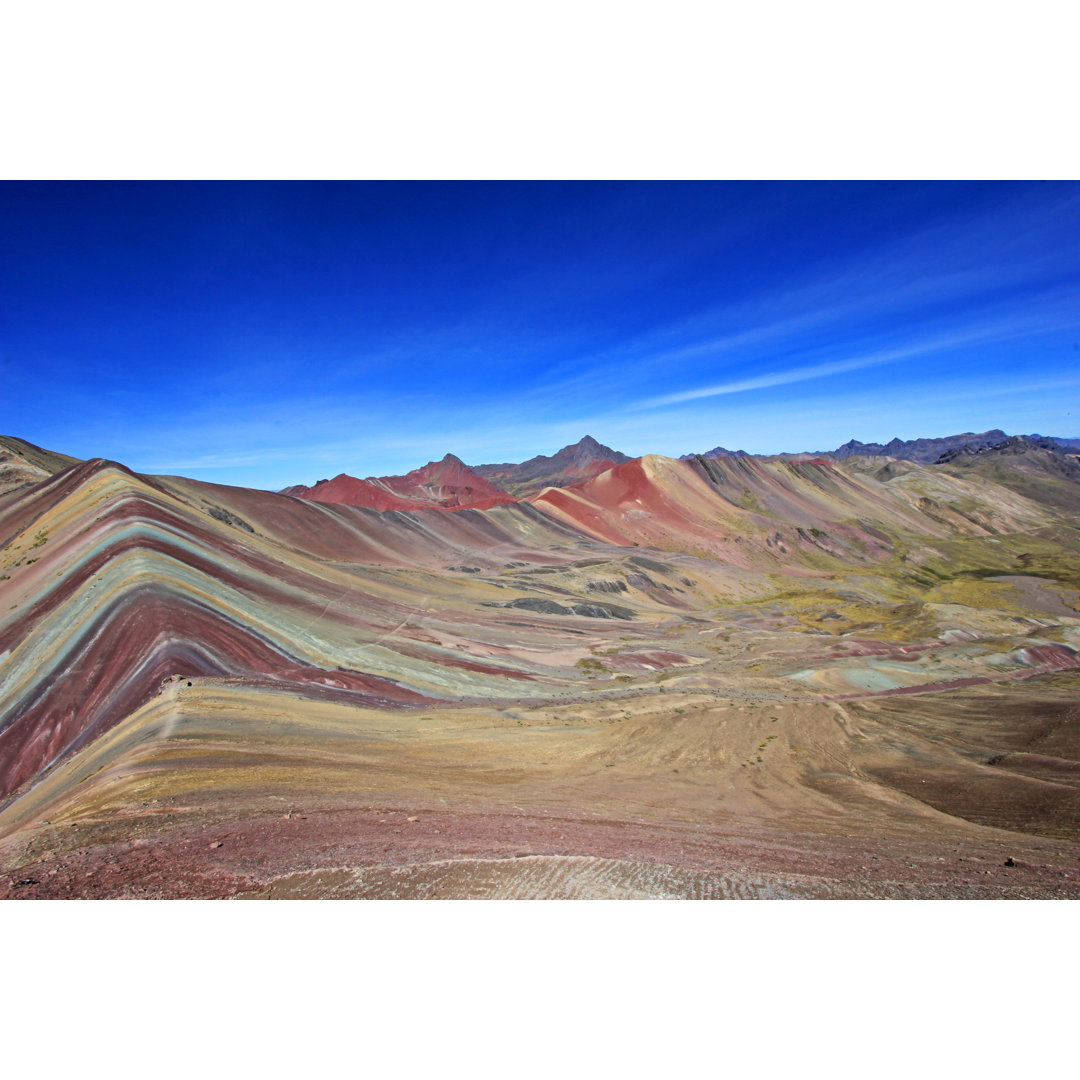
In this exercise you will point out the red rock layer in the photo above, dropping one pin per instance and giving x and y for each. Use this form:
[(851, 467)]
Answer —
[(136, 578), (444, 485)]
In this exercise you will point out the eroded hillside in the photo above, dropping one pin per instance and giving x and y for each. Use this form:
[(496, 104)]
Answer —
[(702, 677)]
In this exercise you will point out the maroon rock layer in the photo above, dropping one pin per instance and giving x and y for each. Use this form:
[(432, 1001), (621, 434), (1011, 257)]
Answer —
[(448, 484)]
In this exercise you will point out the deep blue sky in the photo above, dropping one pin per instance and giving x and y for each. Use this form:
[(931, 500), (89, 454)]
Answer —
[(268, 334)]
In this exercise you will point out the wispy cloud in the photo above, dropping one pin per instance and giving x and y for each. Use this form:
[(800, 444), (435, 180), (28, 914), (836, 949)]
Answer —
[(674, 339), (804, 373), (777, 378), (911, 282)]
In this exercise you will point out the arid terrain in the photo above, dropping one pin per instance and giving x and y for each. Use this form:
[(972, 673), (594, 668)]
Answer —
[(844, 676)]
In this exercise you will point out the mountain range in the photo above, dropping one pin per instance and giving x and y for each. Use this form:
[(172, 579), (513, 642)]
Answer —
[(447, 484), (924, 451), (450, 484), (797, 676), (716, 452), (570, 465)]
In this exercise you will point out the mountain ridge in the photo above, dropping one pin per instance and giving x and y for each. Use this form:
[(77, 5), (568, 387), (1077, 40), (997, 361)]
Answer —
[(214, 690), (451, 484), (924, 450), (448, 484), (571, 465)]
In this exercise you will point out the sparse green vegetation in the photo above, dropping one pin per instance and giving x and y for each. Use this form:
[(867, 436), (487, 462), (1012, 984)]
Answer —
[(590, 665)]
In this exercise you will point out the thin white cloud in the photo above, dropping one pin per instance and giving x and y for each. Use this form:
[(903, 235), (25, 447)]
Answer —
[(906, 280), (998, 332), (777, 378)]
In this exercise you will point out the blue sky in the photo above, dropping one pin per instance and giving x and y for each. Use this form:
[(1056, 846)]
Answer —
[(267, 334)]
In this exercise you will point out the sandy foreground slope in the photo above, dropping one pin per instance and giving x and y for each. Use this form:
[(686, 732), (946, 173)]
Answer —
[(678, 679)]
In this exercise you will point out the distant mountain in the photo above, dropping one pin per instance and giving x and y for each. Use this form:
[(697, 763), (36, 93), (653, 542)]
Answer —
[(445, 485), (1037, 466), (571, 465), (1068, 445), (922, 451), (656, 502), (931, 451), (451, 484), (716, 452), (1011, 445)]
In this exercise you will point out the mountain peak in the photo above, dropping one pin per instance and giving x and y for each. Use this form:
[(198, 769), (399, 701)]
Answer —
[(570, 465), (716, 452), (585, 450)]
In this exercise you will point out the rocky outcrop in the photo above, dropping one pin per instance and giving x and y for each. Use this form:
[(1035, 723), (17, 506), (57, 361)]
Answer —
[(551, 607)]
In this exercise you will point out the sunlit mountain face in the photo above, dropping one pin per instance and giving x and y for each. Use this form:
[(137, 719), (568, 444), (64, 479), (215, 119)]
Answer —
[(833, 676)]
